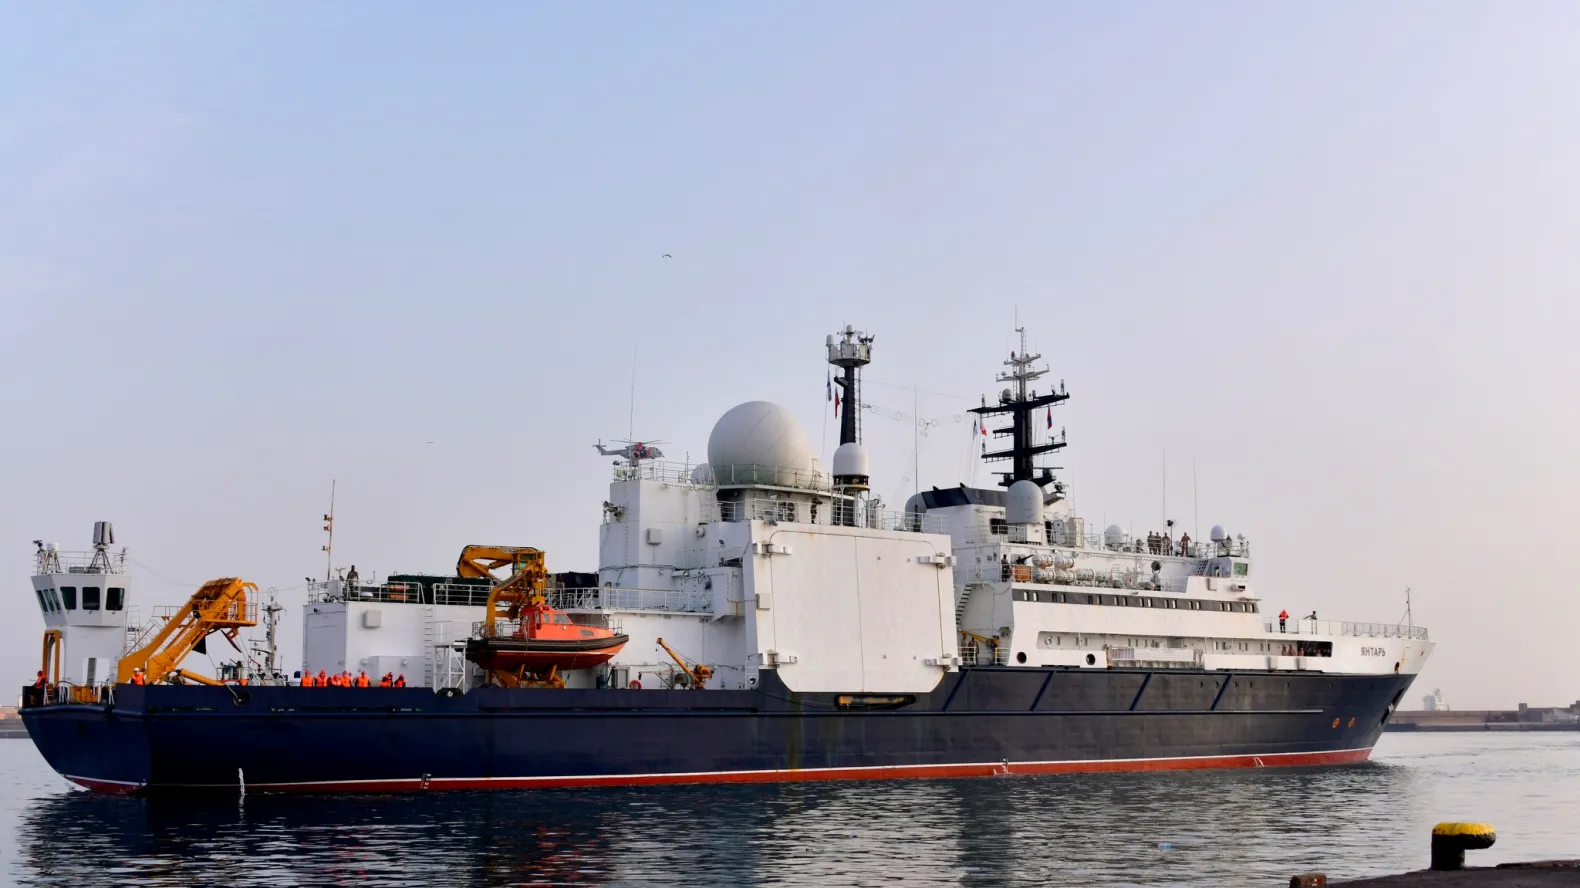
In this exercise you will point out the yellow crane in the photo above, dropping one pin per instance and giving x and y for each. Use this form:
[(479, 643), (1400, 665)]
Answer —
[(697, 674), (218, 606), (524, 586), (992, 643)]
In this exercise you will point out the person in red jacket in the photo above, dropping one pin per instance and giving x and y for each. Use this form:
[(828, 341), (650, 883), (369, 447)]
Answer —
[(323, 679), (1283, 617), (400, 680)]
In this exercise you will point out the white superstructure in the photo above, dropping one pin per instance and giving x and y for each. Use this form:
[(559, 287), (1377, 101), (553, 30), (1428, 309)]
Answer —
[(760, 560)]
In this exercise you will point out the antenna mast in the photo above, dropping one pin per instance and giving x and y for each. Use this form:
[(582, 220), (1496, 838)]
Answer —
[(1020, 401), (329, 528)]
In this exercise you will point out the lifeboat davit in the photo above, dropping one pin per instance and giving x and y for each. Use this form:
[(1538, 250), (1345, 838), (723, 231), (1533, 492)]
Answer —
[(545, 639)]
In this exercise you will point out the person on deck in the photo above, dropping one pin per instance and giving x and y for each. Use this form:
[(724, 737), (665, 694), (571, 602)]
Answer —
[(323, 679), (1185, 544), (362, 678), (41, 682), (1283, 617), (352, 579), (137, 676), (400, 680), (388, 680), (307, 679)]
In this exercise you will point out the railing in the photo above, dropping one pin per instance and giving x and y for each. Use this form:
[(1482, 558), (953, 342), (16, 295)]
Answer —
[(722, 476), (460, 594), (98, 694), (1058, 573), (791, 512), (969, 656), (1359, 630), (57, 562), (616, 598), (1096, 541)]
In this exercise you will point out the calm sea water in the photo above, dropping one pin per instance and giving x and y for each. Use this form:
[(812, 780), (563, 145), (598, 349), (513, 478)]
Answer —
[(1247, 827)]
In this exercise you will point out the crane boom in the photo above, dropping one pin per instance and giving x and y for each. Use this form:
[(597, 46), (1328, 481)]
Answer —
[(698, 673), (218, 606)]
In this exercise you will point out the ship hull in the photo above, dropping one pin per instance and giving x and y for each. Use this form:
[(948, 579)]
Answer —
[(980, 722)]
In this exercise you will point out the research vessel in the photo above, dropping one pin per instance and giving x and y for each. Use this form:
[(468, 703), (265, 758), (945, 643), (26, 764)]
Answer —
[(752, 618)]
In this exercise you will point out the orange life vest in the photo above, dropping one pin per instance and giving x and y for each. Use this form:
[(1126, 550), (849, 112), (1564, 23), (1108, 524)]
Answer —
[(137, 678), (400, 682), (362, 679)]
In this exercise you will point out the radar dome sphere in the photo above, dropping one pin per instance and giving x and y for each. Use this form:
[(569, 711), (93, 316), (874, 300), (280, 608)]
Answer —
[(850, 460), (1023, 503), (1218, 533), (760, 443)]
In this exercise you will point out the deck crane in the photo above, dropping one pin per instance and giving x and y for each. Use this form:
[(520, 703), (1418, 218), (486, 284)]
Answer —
[(522, 589), (697, 674), (218, 606)]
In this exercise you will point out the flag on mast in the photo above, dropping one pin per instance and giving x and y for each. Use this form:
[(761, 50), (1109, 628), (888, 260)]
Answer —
[(836, 405), (1050, 418), (830, 381)]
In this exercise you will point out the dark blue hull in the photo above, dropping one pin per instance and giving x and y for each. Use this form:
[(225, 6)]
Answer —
[(981, 721)]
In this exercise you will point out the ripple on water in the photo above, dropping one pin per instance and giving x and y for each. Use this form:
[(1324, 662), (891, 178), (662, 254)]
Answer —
[(1191, 828)]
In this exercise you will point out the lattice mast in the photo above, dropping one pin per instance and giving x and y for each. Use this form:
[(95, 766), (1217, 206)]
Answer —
[(1020, 402)]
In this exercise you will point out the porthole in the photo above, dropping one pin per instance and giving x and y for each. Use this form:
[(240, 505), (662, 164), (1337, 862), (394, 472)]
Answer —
[(1091, 660), (1020, 657)]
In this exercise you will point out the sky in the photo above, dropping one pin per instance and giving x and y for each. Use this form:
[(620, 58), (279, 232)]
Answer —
[(1307, 271)]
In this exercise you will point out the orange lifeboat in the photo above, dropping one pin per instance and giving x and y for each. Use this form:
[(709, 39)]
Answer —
[(545, 640)]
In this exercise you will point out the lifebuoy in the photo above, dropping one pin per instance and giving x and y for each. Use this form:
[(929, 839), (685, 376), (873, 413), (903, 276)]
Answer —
[(635, 685)]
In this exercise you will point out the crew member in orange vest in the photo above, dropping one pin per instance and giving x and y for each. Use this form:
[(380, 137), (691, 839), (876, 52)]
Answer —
[(400, 680), (345, 679), (388, 680), (362, 678), (307, 679), (1283, 616), (41, 682), (323, 679), (137, 676)]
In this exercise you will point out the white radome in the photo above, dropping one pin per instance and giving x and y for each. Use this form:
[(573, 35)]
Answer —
[(1218, 533), (760, 442), (1023, 503), (850, 459), (1114, 536)]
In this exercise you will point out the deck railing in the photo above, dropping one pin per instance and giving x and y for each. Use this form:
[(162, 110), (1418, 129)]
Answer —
[(619, 598), (1362, 630)]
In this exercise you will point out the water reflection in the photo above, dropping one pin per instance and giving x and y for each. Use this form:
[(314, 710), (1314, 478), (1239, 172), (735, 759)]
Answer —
[(1232, 827), (1206, 828)]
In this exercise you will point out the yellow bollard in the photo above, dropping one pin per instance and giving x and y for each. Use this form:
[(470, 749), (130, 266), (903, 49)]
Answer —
[(1450, 841)]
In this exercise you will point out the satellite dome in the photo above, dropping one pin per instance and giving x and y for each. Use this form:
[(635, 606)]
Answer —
[(1218, 533), (850, 461), (702, 474), (1114, 536), (760, 443), (1023, 503)]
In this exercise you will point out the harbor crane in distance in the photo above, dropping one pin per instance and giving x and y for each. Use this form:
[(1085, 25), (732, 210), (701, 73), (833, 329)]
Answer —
[(697, 674)]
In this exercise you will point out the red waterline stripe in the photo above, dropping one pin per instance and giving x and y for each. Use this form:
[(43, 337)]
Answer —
[(113, 787), (1288, 759)]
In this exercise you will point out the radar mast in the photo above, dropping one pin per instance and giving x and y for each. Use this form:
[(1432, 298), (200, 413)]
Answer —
[(1019, 402)]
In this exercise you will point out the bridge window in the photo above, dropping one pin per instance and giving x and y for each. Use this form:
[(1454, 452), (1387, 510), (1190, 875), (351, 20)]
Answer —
[(1242, 569), (90, 598), (69, 595), (116, 599), (43, 603)]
